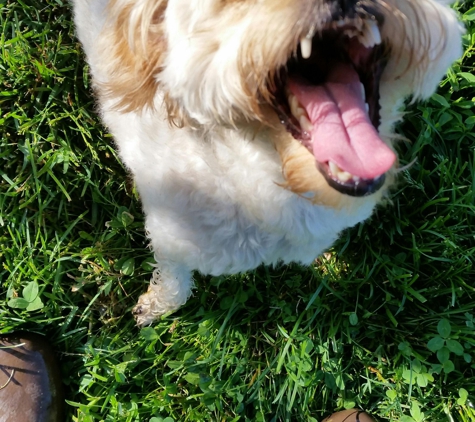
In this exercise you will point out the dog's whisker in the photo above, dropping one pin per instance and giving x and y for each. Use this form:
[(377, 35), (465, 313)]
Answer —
[(407, 166)]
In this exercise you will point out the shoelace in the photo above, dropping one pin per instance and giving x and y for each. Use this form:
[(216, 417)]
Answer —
[(358, 413)]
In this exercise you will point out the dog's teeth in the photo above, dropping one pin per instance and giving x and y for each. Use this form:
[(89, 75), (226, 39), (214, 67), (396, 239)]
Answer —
[(373, 27), (334, 169), (295, 108), (370, 36), (364, 38), (366, 105), (299, 113), (351, 33), (305, 123), (306, 47), (340, 174), (344, 176), (294, 103), (363, 92)]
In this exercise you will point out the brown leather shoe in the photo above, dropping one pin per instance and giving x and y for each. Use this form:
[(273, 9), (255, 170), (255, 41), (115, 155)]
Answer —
[(30, 382), (350, 415)]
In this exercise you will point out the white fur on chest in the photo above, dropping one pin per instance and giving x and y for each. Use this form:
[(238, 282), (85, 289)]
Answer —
[(217, 198)]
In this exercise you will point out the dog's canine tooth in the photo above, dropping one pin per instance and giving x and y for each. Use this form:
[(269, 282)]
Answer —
[(363, 91), (305, 123), (295, 107), (339, 173), (294, 104), (370, 35), (366, 107), (365, 39), (373, 28), (306, 47), (344, 176), (334, 169)]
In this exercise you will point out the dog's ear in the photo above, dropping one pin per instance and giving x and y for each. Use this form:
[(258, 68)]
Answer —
[(135, 46)]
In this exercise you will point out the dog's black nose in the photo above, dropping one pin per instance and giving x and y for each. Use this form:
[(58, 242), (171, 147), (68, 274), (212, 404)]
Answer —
[(341, 9), (350, 9), (347, 7)]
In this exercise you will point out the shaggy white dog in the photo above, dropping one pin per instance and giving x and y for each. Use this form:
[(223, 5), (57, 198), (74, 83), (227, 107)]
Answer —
[(257, 130)]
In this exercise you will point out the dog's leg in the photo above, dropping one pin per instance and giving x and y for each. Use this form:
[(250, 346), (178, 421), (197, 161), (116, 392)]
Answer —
[(170, 288)]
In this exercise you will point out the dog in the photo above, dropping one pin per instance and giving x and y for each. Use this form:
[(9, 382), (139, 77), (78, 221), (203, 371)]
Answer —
[(256, 131)]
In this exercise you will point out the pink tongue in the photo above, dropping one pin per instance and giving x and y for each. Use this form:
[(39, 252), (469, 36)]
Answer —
[(342, 131)]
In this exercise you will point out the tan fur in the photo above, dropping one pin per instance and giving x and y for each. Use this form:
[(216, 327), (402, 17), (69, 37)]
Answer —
[(137, 55)]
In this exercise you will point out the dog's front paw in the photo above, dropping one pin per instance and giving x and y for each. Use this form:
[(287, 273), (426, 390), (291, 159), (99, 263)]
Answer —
[(143, 316), (147, 309), (165, 294)]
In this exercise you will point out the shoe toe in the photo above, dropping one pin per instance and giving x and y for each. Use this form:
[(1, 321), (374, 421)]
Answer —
[(349, 415), (30, 382)]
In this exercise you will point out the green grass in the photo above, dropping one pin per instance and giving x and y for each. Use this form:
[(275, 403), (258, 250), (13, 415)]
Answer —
[(384, 322)]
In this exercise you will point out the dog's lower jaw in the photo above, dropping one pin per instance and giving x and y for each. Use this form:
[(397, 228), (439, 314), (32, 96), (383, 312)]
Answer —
[(169, 289)]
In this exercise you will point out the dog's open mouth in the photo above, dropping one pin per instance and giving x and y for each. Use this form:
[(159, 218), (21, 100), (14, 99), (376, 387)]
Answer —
[(329, 101)]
